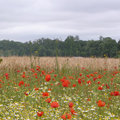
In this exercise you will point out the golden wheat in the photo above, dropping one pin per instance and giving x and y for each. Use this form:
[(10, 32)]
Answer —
[(50, 62)]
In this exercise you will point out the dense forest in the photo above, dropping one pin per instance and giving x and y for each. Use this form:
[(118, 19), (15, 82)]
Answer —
[(71, 46)]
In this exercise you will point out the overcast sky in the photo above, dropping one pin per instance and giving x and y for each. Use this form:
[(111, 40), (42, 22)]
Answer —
[(24, 20)]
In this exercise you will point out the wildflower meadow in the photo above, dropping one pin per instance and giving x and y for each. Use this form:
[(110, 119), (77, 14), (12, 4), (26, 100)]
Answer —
[(54, 93)]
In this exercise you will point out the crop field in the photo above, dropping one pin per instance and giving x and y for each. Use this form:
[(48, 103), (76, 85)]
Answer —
[(59, 88)]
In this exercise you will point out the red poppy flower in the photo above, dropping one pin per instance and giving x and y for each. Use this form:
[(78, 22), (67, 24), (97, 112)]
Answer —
[(94, 79), (48, 100), (47, 77), (32, 70), (116, 93), (92, 75), (98, 82), (80, 74), (79, 80), (101, 103), (21, 83), (6, 75), (38, 66), (99, 76), (107, 86), (73, 111), (88, 99), (54, 104), (36, 88), (95, 73), (69, 116), (23, 76), (49, 89), (74, 85), (35, 74), (43, 72), (71, 104), (66, 116), (39, 114), (63, 117), (55, 75), (100, 88), (89, 82), (45, 94), (103, 84), (18, 71), (66, 83), (62, 80)]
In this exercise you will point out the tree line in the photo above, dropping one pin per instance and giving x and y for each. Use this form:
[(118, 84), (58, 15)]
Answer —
[(71, 46)]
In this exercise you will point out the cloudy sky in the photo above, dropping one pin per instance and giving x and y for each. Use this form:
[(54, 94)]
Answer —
[(24, 20)]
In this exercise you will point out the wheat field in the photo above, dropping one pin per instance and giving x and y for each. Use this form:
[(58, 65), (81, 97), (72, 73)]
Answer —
[(25, 62)]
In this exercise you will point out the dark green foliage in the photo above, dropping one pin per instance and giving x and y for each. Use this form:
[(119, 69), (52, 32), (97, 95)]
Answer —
[(72, 46)]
